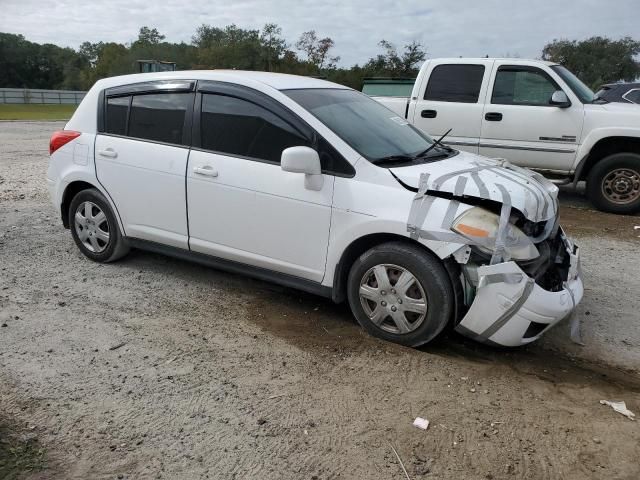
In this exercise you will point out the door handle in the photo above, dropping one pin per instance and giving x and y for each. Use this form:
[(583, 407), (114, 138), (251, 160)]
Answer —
[(493, 116), (207, 171), (109, 153), (428, 114)]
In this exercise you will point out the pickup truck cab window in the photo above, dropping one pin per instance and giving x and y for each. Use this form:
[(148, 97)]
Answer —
[(235, 126), (455, 83), (516, 85)]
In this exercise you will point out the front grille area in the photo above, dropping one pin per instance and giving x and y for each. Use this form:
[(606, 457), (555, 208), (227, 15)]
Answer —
[(551, 269)]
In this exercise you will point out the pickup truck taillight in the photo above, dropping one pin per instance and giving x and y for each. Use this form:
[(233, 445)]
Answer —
[(61, 138)]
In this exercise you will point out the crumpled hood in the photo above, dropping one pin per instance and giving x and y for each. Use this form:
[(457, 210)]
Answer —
[(471, 175)]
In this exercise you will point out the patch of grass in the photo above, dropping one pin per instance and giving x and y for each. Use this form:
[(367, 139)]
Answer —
[(36, 112), (19, 453)]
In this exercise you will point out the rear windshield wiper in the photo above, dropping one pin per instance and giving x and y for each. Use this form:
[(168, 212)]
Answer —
[(435, 144)]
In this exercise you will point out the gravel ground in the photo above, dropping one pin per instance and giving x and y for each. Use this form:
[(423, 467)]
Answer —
[(157, 368)]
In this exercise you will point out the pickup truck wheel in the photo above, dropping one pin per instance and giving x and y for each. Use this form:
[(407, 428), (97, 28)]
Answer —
[(400, 293), (94, 227), (613, 184)]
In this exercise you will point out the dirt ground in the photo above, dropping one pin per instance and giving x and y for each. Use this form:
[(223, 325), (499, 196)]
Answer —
[(157, 368)]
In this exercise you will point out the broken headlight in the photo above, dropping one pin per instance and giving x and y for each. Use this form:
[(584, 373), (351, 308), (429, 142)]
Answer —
[(481, 227)]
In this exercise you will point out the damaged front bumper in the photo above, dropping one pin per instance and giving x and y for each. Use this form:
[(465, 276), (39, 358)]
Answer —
[(511, 309)]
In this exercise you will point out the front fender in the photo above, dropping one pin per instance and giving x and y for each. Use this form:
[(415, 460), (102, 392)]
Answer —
[(594, 137)]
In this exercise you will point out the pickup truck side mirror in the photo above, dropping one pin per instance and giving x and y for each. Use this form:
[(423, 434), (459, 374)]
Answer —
[(560, 99), (303, 160)]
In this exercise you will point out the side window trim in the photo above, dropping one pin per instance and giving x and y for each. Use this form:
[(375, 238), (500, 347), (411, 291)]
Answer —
[(240, 92), (521, 68)]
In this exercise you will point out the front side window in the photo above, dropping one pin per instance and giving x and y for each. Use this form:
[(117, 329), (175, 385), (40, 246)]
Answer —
[(239, 127), (371, 129), (159, 117), (522, 86), (117, 113), (455, 83), (584, 93)]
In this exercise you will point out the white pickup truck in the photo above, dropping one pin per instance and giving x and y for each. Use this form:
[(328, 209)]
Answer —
[(534, 114)]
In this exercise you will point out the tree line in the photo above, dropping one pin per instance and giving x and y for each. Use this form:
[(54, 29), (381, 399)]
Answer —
[(27, 64)]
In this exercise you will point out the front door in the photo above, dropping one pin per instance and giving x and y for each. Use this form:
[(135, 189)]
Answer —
[(241, 205), (520, 125)]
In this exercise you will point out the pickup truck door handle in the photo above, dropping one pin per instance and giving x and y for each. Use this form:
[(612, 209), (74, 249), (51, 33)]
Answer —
[(109, 153), (206, 170), (493, 116), (428, 114)]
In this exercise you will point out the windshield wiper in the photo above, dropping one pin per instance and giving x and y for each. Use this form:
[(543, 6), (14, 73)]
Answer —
[(393, 159), (435, 144)]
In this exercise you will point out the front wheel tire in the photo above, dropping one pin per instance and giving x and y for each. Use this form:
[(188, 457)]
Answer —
[(94, 227), (400, 293), (613, 184)]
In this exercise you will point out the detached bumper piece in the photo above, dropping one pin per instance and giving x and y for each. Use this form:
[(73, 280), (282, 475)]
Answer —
[(512, 309)]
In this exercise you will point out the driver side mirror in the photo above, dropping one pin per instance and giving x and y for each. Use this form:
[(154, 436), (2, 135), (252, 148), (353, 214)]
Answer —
[(560, 99), (303, 160)]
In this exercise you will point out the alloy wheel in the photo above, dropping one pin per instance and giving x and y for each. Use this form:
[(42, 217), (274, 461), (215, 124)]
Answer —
[(92, 227)]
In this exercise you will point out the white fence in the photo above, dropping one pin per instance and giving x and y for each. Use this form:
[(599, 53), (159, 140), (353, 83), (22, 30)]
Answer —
[(33, 95)]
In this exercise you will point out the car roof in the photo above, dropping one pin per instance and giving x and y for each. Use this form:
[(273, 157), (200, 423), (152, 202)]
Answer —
[(279, 81), (515, 61)]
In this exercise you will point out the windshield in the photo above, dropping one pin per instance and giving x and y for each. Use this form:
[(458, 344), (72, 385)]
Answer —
[(371, 129), (584, 93)]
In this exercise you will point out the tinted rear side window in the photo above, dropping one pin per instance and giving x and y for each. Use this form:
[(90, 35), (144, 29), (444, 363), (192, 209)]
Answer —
[(159, 116), (239, 127), (455, 83), (117, 113)]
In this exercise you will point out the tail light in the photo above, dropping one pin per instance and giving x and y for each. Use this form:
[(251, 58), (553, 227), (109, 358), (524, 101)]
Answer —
[(61, 138)]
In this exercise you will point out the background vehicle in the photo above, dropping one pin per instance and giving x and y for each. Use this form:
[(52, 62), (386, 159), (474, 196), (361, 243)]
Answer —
[(315, 186), (620, 92), (387, 87), (535, 114)]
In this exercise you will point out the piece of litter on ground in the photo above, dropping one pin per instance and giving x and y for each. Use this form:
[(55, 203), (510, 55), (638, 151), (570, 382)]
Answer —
[(400, 461), (620, 407), (117, 346), (422, 423)]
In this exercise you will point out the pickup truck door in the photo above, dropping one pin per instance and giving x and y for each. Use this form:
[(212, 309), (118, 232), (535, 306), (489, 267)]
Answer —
[(520, 125), (241, 205), (451, 95)]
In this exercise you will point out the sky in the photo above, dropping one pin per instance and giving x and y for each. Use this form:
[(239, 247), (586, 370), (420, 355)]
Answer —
[(453, 28)]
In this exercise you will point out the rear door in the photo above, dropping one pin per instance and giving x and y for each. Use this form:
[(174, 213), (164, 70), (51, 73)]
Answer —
[(242, 205), (141, 154), (521, 125), (451, 96)]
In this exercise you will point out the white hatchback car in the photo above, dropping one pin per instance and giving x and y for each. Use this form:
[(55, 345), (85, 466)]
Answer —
[(318, 187)]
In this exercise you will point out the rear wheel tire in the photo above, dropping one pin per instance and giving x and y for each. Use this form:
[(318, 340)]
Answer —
[(94, 227), (400, 293), (613, 184)]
